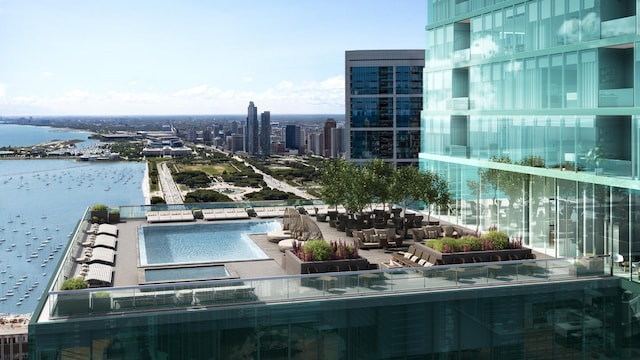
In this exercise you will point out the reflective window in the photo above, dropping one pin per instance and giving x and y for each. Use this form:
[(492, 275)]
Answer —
[(407, 144), (372, 144), (371, 80), (408, 79), (372, 112), (408, 111)]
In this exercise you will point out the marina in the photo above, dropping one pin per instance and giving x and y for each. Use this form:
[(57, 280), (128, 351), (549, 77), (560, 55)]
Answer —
[(41, 203)]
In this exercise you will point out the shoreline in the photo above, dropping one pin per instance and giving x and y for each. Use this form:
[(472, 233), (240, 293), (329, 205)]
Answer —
[(146, 189)]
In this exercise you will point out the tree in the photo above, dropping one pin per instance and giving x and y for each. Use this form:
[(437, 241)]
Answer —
[(74, 283), (378, 176), (432, 189), (403, 184), (333, 183)]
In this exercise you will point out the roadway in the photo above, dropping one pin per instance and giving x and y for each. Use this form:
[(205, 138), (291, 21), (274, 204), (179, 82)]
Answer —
[(169, 189)]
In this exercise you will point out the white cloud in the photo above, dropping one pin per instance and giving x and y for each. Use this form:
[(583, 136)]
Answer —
[(247, 79), (196, 90), (46, 74), (286, 97)]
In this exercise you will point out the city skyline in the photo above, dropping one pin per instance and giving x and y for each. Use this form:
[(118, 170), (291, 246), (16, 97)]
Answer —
[(162, 58)]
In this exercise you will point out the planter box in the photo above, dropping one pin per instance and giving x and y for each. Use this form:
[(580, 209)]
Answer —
[(588, 267), (114, 218), (101, 215), (492, 255), (293, 265), (72, 304)]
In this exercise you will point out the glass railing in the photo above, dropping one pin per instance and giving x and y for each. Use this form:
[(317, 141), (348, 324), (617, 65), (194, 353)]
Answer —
[(461, 55), (617, 27), (137, 212), (196, 296), (616, 98)]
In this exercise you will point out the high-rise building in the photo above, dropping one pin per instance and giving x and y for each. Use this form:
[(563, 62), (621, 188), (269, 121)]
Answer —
[(292, 137), (314, 141), (337, 142), (532, 114), (234, 127), (265, 134), (326, 136), (252, 130), (383, 100)]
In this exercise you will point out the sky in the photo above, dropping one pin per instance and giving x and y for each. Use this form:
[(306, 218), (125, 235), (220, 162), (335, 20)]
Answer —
[(157, 57)]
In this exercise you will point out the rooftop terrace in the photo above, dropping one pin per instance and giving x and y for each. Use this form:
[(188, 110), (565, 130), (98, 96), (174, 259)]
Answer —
[(267, 281)]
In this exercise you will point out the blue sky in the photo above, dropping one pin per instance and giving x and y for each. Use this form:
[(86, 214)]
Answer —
[(78, 57)]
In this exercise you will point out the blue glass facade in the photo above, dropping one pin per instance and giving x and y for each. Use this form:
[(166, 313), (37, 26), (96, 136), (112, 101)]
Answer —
[(383, 104)]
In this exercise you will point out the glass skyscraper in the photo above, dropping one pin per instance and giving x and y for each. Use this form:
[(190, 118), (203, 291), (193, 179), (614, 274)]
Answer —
[(531, 112), (383, 99)]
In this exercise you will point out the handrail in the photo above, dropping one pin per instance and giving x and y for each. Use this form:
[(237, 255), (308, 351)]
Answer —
[(323, 285)]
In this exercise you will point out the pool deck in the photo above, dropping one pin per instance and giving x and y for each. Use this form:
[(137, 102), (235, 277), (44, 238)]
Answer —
[(127, 270)]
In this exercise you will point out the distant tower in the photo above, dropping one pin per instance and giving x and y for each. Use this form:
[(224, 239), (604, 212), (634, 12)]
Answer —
[(326, 136), (251, 136), (234, 127), (292, 137), (265, 134), (337, 142)]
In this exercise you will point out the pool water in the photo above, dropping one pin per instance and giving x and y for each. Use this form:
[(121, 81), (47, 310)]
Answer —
[(202, 243), (186, 273)]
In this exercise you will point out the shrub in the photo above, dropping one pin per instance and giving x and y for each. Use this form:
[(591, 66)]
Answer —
[(74, 283), (99, 207), (492, 240), (320, 250), (470, 243), (498, 239)]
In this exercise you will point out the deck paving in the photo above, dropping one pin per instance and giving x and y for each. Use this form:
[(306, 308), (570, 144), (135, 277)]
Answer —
[(127, 270)]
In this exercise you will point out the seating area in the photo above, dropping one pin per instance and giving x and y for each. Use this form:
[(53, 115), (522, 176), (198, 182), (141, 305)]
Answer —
[(420, 234), (170, 216), (225, 214), (377, 238), (269, 211), (419, 255), (98, 255), (414, 257)]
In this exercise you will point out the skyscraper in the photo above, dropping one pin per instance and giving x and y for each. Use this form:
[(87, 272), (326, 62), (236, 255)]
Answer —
[(326, 136), (265, 134), (251, 136), (292, 137), (532, 114), (383, 100)]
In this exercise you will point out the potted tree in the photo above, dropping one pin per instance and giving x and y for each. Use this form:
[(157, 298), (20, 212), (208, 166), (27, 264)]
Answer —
[(101, 302), (99, 212), (114, 216)]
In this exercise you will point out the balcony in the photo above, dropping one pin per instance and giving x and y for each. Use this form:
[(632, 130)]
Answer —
[(618, 27), (461, 55), (461, 103), (616, 98)]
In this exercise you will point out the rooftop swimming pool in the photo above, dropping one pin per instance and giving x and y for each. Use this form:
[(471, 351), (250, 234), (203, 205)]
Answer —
[(186, 273), (201, 243)]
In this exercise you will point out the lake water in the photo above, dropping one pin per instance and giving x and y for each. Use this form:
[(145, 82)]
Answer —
[(41, 202)]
